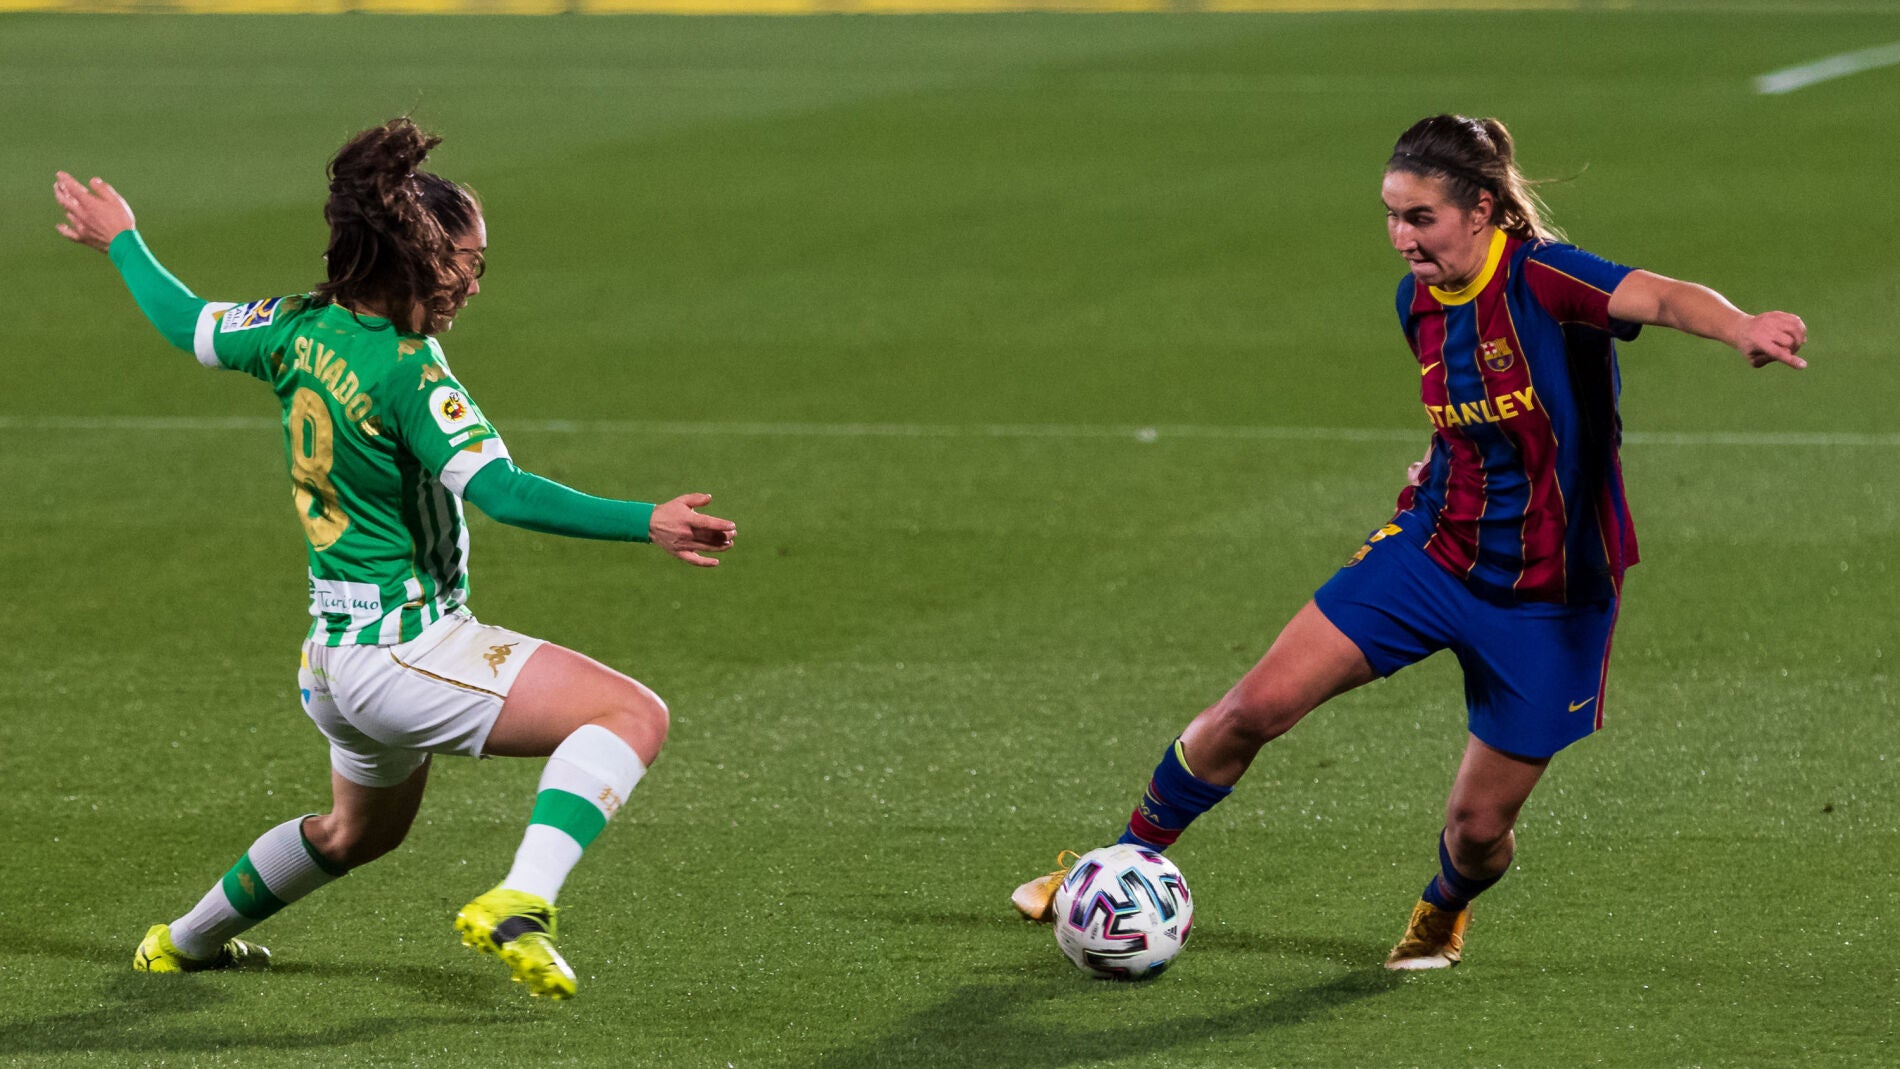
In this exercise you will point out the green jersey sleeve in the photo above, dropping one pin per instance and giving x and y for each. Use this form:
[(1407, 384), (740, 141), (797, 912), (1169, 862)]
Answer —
[(436, 420), (220, 334), (525, 500), (168, 303), (234, 336)]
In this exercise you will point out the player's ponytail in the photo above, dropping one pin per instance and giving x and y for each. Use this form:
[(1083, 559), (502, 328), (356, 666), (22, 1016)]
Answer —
[(393, 228), (1474, 156)]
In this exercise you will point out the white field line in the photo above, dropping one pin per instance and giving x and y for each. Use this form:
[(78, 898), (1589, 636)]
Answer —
[(1789, 79), (1191, 432)]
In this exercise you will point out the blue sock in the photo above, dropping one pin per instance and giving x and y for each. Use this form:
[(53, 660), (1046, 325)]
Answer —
[(1452, 890), (1175, 796)]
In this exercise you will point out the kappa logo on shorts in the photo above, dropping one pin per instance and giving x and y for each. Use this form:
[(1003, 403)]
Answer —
[(249, 316), (496, 656)]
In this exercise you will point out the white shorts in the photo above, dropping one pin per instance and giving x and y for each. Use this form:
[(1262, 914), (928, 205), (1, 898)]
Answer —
[(385, 709)]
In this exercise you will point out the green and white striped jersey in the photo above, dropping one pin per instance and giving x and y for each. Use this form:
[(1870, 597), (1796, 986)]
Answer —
[(381, 442)]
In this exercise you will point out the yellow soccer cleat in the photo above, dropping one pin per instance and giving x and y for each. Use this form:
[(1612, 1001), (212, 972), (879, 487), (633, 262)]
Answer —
[(1036, 899), (157, 954), (1434, 939), (518, 928)]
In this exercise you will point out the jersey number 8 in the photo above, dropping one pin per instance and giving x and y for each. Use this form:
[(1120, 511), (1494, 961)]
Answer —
[(312, 454)]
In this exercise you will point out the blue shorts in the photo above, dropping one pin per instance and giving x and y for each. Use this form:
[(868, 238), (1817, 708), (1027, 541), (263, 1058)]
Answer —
[(1534, 672)]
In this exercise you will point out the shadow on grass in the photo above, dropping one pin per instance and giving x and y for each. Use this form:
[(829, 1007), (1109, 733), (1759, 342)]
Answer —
[(134, 1012), (984, 1025), (1351, 953), (480, 983)]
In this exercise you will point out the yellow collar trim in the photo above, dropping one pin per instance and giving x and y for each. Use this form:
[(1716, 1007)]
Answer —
[(1469, 292)]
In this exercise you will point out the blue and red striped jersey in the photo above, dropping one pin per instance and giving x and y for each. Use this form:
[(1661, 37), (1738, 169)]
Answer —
[(1522, 495)]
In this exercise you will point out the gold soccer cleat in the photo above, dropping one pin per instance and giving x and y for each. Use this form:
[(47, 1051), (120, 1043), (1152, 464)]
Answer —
[(1434, 939), (157, 954), (1036, 899), (518, 928)]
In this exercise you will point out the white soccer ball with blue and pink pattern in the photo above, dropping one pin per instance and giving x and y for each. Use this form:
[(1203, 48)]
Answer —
[(1123, 913)]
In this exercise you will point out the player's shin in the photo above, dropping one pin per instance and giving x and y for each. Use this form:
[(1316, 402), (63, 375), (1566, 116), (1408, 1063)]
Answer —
[(279, 868), (586, 779), (1175, 796)]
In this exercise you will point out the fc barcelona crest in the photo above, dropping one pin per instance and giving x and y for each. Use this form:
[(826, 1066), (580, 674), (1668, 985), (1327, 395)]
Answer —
[(1496, 355)]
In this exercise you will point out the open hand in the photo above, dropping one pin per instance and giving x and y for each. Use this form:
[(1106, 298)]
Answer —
[(95, 213), (685, 534), (1774, 337)]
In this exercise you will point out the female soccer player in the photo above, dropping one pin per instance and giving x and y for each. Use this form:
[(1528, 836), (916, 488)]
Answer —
[(384, 445), (1510, 542)]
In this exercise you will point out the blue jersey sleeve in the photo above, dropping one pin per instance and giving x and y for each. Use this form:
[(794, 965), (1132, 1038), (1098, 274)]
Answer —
[(1575, 286)]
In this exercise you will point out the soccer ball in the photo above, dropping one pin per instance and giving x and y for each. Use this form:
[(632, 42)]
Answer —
[(1123, 913)]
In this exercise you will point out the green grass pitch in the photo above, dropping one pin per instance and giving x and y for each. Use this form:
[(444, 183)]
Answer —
[(899, 292)]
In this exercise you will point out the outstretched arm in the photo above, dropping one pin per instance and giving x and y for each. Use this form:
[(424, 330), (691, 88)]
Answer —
[(520, 499), (1768, 338), (97, 217)]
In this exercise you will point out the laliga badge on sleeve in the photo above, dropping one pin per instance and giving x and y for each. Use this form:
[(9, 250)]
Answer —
[(249, 316), (452, 411)]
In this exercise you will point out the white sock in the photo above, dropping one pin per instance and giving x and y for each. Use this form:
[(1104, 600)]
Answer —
[(587, 778), (280, 867)]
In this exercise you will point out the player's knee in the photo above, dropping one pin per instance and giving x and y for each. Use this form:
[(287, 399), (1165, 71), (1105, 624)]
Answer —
[(650, 709), (1476, 830), (1256, 716), (350, 844), (639, 716)]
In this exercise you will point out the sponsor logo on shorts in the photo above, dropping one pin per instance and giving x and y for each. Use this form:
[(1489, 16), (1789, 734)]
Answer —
[(249, 316), (496, 656), (1574, 706)]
